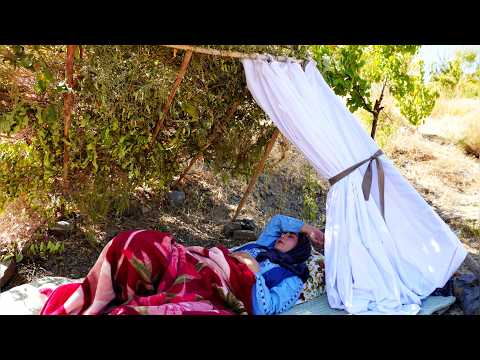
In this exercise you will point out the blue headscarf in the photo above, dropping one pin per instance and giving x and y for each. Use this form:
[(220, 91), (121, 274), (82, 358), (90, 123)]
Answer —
[(292, 263)]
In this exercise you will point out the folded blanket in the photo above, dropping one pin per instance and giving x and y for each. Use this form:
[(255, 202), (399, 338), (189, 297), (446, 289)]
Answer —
[(147, 272)]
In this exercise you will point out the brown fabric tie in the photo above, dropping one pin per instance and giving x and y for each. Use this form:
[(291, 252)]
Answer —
[(367, 178)]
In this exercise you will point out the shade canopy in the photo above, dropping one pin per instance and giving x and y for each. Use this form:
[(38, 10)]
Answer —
[(372, 264)]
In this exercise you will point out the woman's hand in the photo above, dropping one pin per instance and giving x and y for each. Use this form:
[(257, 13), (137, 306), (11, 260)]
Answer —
[(248, 260), (316, 235)]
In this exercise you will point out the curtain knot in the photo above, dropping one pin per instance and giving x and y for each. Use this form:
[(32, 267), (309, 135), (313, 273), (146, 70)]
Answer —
[(367, 178)]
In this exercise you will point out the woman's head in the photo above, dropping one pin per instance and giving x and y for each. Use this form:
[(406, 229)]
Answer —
[(295, 245), (286, 242), (290, 251)]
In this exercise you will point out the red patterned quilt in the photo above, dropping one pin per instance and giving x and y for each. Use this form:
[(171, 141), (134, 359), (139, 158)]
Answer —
[(148, 272)]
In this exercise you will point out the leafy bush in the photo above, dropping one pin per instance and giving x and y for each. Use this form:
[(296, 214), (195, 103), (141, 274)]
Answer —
[(311, 189), (119, 94), (354, 71), (459, 77)]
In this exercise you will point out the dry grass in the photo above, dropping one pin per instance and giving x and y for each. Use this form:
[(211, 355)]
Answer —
[(471, 142), (458, 121), (454, 107), (18, 224), (447, 178)]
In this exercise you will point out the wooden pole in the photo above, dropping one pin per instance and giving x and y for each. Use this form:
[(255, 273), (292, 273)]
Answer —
[(67, 111), (231, 54), (176, 84), (257, 171), (211, 138)]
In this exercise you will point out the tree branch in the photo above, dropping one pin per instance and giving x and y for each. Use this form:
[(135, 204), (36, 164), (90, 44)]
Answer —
[(181, 73), (230, 53), (377, 107), (366, 107), (355, 88), (217, 130), (67, 112), (257, 171)]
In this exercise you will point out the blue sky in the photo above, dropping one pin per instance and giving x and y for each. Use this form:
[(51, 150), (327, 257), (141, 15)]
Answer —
[(437, 53)]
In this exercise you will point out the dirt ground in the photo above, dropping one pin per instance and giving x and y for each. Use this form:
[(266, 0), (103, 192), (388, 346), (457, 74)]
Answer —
[(447, 178)]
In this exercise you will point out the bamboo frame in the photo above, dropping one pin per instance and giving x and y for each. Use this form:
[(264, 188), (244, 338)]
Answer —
[(232, 54), (180, 75), (67, 111), (257, 172), (469, 261)]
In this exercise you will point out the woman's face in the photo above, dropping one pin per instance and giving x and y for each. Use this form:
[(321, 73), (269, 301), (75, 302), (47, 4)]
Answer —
[(286, 242)]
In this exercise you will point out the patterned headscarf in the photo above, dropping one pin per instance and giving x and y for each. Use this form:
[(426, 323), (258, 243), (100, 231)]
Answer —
[(292, 262)]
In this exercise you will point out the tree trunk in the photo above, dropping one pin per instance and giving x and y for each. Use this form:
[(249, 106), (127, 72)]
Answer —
[(377, 109), (67, 112), (374, 124), (181, 73), (258, 170)]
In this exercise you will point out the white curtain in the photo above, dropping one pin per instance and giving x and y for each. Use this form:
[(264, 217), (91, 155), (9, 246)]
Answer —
[(372, 265)]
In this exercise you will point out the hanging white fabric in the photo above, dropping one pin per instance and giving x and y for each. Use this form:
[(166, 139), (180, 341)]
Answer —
[(372, 265)]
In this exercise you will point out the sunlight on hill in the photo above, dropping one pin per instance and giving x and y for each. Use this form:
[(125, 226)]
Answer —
[(456, 120)]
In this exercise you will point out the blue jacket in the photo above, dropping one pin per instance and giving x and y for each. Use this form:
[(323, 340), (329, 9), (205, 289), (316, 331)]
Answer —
[(284, 295)]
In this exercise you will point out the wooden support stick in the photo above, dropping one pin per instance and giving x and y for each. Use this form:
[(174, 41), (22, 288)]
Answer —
[(67, 112), (229, 53), (257, 171), (176, 84), (216, 131)]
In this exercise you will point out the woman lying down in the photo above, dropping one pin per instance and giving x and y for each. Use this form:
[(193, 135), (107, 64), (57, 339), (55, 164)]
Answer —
[(148, 272)]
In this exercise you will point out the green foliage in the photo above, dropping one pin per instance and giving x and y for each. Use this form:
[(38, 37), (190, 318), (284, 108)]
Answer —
[(15, 120), (45, 248), (341, 68), (118, 98), (353, 71), (31, 165), (459, 77), (418, 103), (5, 258), (311, 188), (11, 253), (39, 246)]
